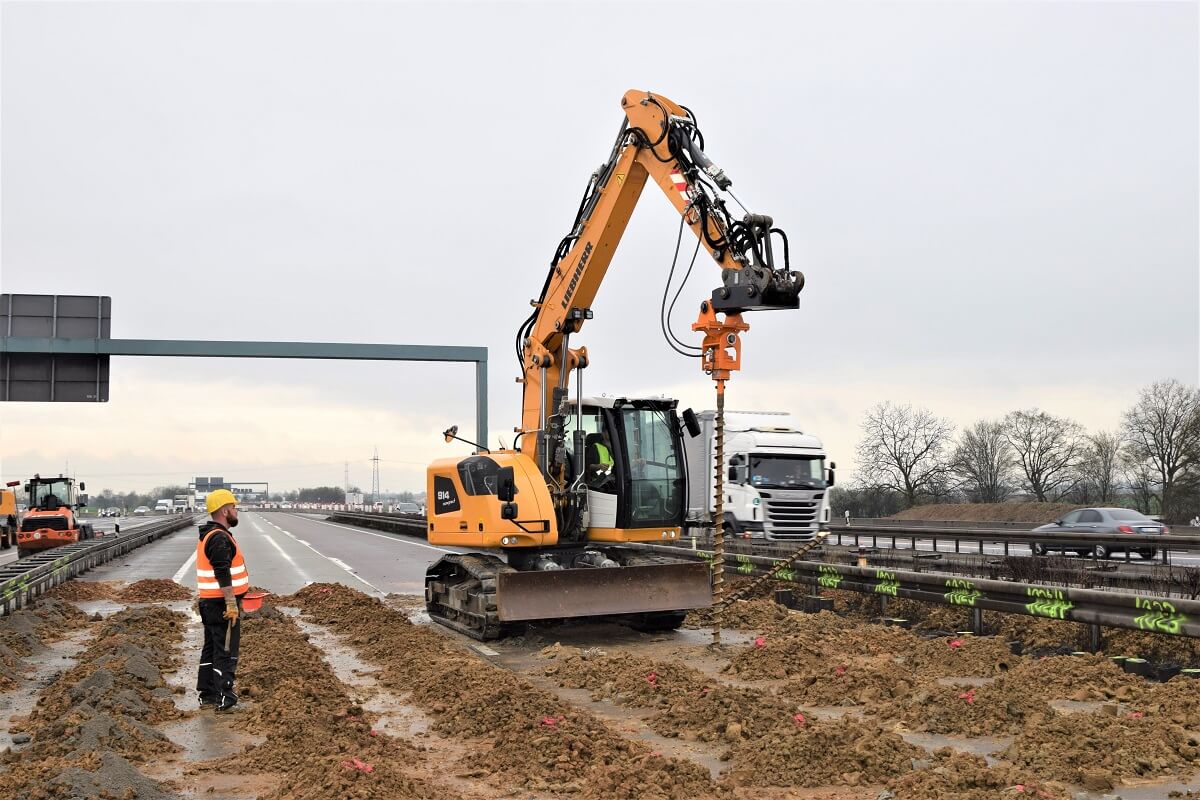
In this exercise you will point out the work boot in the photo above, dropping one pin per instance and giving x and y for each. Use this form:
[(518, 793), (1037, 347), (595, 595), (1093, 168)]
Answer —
[(208, 701), (226, 703)]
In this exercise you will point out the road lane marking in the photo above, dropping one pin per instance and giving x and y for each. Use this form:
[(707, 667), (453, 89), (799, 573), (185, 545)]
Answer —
[(179, 573), (290, 560), (383, 536), (343, 565)]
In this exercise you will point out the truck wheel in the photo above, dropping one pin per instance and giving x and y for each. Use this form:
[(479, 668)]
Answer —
[(1147, 553)]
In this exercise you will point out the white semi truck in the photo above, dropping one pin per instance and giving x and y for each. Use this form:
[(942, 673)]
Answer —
[(776, 480)]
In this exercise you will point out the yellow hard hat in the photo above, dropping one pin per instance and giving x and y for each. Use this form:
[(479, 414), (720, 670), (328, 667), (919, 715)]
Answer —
[(219, 499)]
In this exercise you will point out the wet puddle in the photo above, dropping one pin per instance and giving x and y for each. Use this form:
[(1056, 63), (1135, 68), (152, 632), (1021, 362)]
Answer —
[(202, 734), (40, 669), (395, 717), (980, 746)]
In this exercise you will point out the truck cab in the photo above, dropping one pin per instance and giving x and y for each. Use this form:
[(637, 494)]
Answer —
[(776, 478)]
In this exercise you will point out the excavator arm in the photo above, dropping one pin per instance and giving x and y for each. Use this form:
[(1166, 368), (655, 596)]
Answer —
[(659, 142)]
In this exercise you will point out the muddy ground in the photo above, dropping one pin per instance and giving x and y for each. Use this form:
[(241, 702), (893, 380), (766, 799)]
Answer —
[(347, 696)]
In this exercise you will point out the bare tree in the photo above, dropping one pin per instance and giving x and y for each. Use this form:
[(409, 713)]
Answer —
[(983, 463), (1142, 490), (1162, 431), (1048, 449), (904, 449), (1099, 467)]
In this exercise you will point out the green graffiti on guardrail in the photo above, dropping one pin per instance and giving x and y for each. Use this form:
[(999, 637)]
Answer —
[(828, 577), (1161, 616), (744, 565), (1050, 603), (783, 572), (962, 592), (887, 582)]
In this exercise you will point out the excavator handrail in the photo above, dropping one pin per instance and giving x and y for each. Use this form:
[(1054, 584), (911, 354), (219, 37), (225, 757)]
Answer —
[(27, 578)]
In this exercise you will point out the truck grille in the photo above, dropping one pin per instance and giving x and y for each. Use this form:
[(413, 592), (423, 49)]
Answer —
[(43, 523), (792, 515)]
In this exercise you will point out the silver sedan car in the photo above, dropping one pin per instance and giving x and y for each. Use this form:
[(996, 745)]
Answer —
[(1101, 520)]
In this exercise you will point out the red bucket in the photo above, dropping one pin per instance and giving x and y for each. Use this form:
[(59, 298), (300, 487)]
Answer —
[(253, 601)]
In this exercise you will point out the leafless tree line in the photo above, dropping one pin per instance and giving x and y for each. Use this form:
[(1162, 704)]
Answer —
[(1152, 460)]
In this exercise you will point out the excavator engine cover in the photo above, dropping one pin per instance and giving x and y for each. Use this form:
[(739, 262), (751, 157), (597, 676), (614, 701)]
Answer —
[(591, 592)]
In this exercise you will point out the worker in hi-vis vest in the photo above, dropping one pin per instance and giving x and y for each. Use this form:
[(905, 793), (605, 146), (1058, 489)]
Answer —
[(221, 579), (599, 460)]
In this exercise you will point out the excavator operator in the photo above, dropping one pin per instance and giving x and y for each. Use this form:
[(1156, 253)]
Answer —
[(600, 462)]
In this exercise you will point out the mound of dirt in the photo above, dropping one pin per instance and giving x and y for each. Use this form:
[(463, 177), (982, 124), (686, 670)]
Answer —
[(821, 753), (153, 590), (1153, 647), (117, 687), (1035, 633), (760, 614), (318, 736), (964, 776), (959, 657), (1177, 700), (1101, 748), (1033, 513), (813, 644), (92, 722), (82, 591), (853, 682), (987, 710), (24, 631), (690, 704), (537, 742)]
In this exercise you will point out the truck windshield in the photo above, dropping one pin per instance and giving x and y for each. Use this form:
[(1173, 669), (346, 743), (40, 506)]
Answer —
[(787, 472)]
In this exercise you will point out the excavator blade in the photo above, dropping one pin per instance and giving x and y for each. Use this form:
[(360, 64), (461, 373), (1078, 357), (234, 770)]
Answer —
[(594, 592)]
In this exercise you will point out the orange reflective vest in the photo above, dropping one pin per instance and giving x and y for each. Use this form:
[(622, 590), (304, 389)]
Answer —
[(206, 579)]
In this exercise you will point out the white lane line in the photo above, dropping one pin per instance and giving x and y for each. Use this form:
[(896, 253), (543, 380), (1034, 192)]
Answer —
[(340, 564), (290, 560), (180, 572), (382, 536)]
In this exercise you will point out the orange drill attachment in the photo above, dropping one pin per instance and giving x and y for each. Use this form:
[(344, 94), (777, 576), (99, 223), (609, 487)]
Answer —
[(722, 348)]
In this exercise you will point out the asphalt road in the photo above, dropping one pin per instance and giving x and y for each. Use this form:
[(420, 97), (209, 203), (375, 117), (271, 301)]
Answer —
[(285, 552)]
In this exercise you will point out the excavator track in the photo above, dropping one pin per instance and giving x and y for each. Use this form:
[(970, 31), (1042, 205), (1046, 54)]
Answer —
[(460, 593), (463, 592)]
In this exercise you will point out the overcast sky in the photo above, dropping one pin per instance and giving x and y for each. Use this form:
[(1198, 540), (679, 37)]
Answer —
[(995, 206)]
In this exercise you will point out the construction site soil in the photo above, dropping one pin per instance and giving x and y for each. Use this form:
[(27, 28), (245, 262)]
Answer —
[(344, 696), (1033, 513)]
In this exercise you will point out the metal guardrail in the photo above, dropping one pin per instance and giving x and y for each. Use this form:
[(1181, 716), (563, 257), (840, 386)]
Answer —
[(1129, 542), (27, 578), (929, 523), (1150, 613), (407, 524)]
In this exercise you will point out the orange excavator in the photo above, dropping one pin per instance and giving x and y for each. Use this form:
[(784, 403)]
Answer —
[(51, 520), (590, 475)]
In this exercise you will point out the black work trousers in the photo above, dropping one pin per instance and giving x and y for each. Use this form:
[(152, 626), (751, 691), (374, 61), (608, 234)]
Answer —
[(218, 666)]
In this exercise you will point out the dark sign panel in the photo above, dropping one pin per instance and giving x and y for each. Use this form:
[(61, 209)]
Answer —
[(54, 377)]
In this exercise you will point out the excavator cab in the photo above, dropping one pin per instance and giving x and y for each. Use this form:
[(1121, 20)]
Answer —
[(633, 467)]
